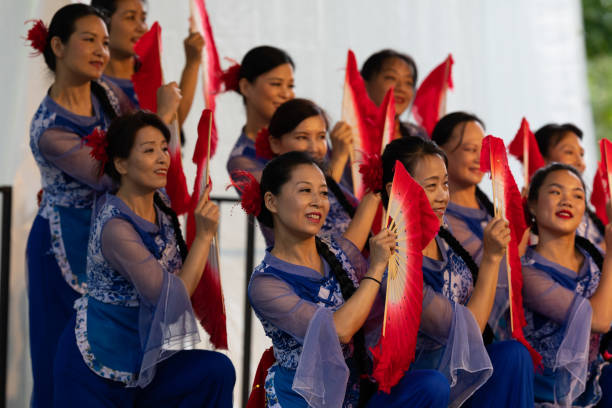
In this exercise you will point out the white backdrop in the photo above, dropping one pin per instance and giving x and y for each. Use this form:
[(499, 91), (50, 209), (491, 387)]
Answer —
[(512, 59)]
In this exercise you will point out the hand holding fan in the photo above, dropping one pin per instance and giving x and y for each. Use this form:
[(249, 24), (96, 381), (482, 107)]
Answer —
[(411, 218)]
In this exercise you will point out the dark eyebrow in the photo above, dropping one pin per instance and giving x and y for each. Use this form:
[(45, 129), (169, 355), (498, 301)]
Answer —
[(580, 188), (431, 178)]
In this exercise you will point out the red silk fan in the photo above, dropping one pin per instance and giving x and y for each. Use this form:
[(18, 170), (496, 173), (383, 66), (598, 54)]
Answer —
[(525, 148), (147, 81), (430, 99), (601, 183), (507, 202), (149, 76), (415, 224), (207, 299), (366, 119)]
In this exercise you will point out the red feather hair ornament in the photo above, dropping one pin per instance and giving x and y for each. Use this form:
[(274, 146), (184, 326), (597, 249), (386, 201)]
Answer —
[(262, 144), (230, 77), (249, 189), (98, 143), (37, 36), (371, 170)]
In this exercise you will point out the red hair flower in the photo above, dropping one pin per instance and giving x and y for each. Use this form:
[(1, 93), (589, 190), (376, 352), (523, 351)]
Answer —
[(98, 143), (231, 76), (37, 36), (262, 145), (371, 170), (250, 192)]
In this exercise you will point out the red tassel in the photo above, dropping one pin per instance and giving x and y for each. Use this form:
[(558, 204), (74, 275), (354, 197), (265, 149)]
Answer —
[(249, 189), (37, 36), (262, 144)]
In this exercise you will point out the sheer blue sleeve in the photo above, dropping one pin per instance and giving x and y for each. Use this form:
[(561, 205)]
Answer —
[(67, 151), (166, 318), (322, 373), (460, 353)]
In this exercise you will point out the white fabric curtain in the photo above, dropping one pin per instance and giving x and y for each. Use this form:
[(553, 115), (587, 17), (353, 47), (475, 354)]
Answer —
[(512, 59)]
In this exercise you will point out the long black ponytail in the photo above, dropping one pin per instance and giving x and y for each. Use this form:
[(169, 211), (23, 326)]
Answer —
[(176, 226)]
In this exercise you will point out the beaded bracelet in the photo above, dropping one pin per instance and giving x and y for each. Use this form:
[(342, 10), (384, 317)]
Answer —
[(371, 278)]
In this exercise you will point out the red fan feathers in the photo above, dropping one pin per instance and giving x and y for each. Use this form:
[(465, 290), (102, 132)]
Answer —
[(366, 119), (525, 148), (601, 181), (37, 36), (430, 99), (416, 225), (149, 76), (493, 159)]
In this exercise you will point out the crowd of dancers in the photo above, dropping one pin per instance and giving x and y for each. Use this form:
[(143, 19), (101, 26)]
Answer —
[(110, 274)]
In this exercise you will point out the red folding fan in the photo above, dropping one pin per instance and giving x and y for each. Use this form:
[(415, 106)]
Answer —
[(430, 99), (368, 121), (411, 218), (508, 204), (525, 148), (601, 181), (207, 299)]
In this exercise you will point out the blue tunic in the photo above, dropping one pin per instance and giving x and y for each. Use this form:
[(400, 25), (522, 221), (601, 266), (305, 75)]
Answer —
[(558, 316), (450, 340), (57, 244), (295, 305), (467, 225), (135, 319)]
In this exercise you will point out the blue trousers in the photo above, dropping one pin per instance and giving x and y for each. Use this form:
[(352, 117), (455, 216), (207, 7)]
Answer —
[(418, 388), (191, 378), (511, 384), (50, 301)]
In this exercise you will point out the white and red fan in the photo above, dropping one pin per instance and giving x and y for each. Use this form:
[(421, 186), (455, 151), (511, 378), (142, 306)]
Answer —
[(411, 218), (507, 202)]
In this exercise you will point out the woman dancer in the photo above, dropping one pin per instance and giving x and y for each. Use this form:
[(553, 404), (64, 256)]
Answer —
[(127, 23), (563, 144), (313, 296), (75, 48), (265, 82), (389, 68), (137, 315), (458, 296), (567, 285), (459, 135), (301, 125)]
